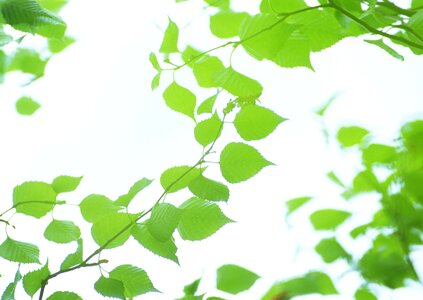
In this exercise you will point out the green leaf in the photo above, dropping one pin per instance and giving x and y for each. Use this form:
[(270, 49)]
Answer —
[(156, 81), (254, 122), (108, 227), (207, 131), (330, 250), (191, 289), (19, 252), (64, 296), (239, 162), (28, 16), (4, 38), (200, 219), (205, 70), (328, 219), (190, 55), (207, 105), (34, 198), (222, 4), (226, 24), (180, 99), (9, 292), (62, 232), (294, 204), (170, 39), (310, 283), (416, 22), (359, 230), (295, 52), (58, 45), (416, 3), (53, 5), (166, 249), (238, 84), (380, 43), (321, 111), (135, 280), (32, 281), (95, 207), (234, 279), (27, 106), (365, 181), (64, 184), (208, 189), (109, 287), (335, 179), (276, 6), (73, 259), (178, 178), (137, 187), (351, 136), (378, 154), (163, 221), (154, 62), (27, 61), (364, 294)]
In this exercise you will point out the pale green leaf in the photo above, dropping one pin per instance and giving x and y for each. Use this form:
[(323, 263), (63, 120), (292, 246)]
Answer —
[(207, 131), (27, 106), (330, 250), (19, 252), (335, 179), (4, 38), (295, 52), (254, 122), (63, 184), (364, 294), (62, 232), (190, 55), (351, 135), (416, 3), (234, 279), (170, 38), (294, 204), (207, 105), (9, 292), (135, 280), (155, 82), (328, 219), (239, 162), (200, 219), (365, 181), (163, 221), (238, 84), (137, 187), (154, 62), (109, 287), (226, 24), (34, 198), (96, 207), (110, 227), (178, 178), (208, 189), (166, 249), (32, 281), (322, 109), (27, 61), (73, 259), (381, 44), (64, 296), (205, 70), (285, 6), (58, 45), (53, 5), (180, 99)]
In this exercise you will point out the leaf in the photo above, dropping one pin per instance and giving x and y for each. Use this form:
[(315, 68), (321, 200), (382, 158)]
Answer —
[(208, 189), (27, 106), (95, 207), (9, 292), (205, 70), (294, 204), (32, 281), (190, 55), (137, 187), (335, 179), (28, 16), (154, 62), (73, 259), (378, 154), (34, 199), (170, 39), (200, 219), (380, 43), (163, 221), (207, 105), (178, 178), (135, 280), (226, 24), (328, 219), (166, 249), (330, 250), (156, 81), (62, 232), (109, 227), (64, 184), (207, 131), (239, 162), (180, 99), (109, 287), (295, 52), (4, 38), (254, 122), (286, 6), (64, 296), (27, 61), (191, 289), (58, 45), (364, 294), (365, 181), (222, 4), (238, 84), (53, 5), (310, 283), (321, 111), (351, 136), (234, 279)]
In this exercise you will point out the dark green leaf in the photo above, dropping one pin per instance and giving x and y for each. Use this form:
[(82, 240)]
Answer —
[(328, 219), (135, 280), (27, 106), (34, 198), (234, 279)]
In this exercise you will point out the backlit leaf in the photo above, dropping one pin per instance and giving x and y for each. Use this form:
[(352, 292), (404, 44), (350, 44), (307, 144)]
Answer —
[(109, 287), (226, 24), (19, 252), (180, 99), (137, 187), (33, 280), (63, 184), (170, 38), (192, 288), (27, 106), (238, 84), (205, 70), (381, 44), (234, 279), (34, 198), (207, 105), (239, 162), (64, 296), (208, 131), (155, 82), (135, 280), (350, 136), (178, 178), (62, 232), (330, 250), (28, 61), (108, 227), (9, 292), (58, 45), (286, 6), (364, 294), (328, 219), (378, 154), (296, 203), (95, 207), (73, 259), (163, 221), (154, 62), (208, 189)]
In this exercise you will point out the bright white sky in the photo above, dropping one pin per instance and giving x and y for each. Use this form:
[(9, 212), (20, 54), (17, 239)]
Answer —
[(100, 119)]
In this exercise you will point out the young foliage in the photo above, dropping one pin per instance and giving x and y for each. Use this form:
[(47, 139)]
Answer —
[(19, 251), (62, 232), (32, 281), (135, 280), (234, 279), (34, 199), (27, 106), (180, 99)]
